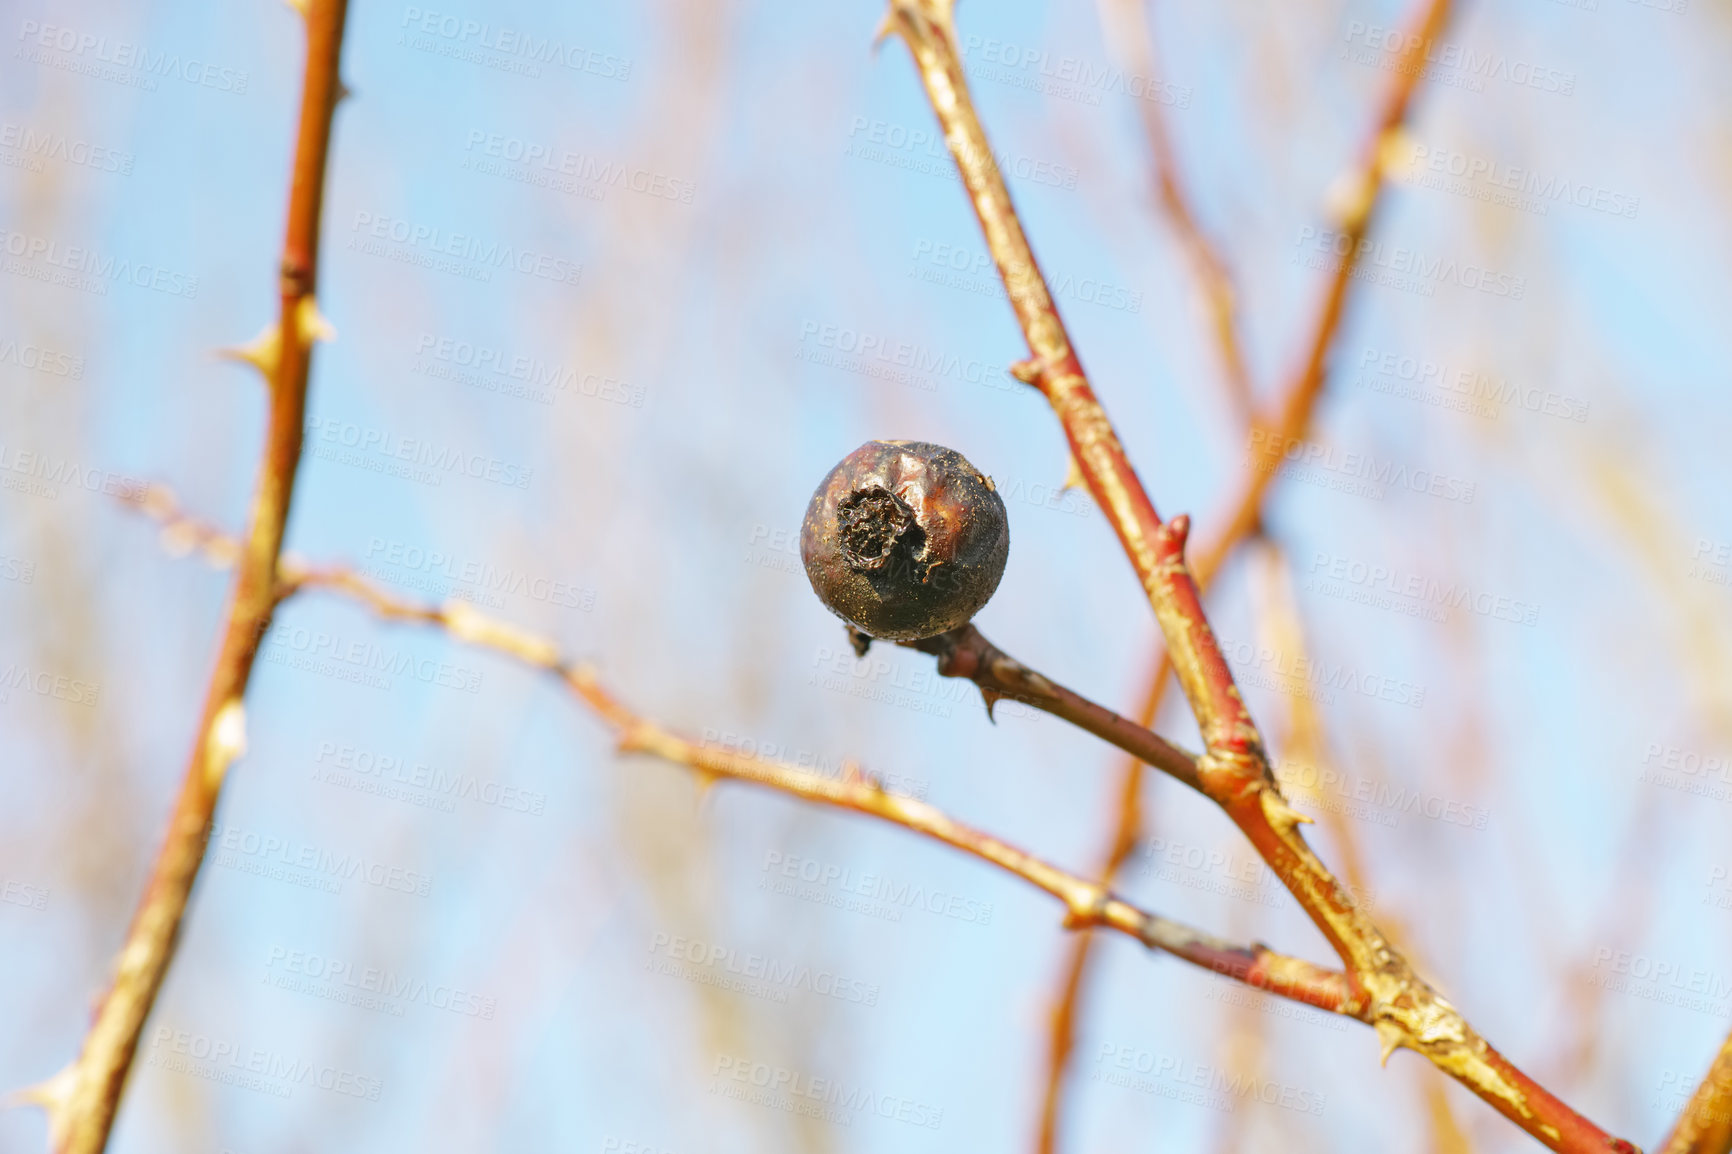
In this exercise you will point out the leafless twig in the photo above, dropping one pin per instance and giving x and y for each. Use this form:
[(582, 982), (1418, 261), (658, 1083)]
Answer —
[(83, 1098)]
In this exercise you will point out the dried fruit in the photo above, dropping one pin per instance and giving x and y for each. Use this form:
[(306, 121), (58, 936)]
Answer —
[(905, 540)]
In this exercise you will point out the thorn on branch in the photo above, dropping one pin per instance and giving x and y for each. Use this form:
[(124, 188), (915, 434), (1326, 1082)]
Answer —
[(262, 352), (992, 697), (1073, 476), (54, 1095), (1280, 814), (310, 325), (1391, 1036), (853, 775)]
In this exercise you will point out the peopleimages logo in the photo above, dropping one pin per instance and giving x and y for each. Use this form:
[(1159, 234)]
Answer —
[(409, 457), (1455, 63), (1407, 268), (36, 147), (1465, 390), (518, 374), (1687, 771), (779, 753), (119, 61), (442, 570), (759, 975), (265, 1071), (799, 1093), (1659, 980), (40, 475), (360, 662), (469, 256), (369, 771), (925, 151), (513, 49), (1481, 178), (16, 678), (86, 269), (371, 987), (267, 855), (960, 267), (1317, 679), (1066, 77), (542, 160), (873, 894), (41, 360), (892, 359), (1359, 473), (1377, 802), (1197, 1083), (1388, 587)]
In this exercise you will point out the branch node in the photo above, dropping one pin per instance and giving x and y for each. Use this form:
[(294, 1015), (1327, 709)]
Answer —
[(1084, 906), (1178, 530), (1028, 371), (637, 738), (226, 743), (466, 624)]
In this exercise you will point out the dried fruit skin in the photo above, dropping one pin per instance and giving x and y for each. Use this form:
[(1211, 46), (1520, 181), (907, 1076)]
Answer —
[(905, 540)]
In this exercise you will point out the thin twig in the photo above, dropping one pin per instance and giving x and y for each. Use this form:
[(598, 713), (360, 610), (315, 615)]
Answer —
[(964, 652), (1234, 769), (1129, 31), (1284, 423), (1705, 1126), (83, 1098)]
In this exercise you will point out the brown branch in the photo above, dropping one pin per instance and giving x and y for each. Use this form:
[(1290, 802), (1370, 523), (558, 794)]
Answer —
[(1127, 828), (1132, 33), (1086, 903), (1288, 421), (83, 1098), (1234, 769), (1705, 1126), (1285, 422), (1155, 549), (965, 653)]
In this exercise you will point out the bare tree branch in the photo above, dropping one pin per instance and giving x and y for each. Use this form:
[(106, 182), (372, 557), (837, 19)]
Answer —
[(83, 1098), (1705, 1126), (1128, 31), (1086, 904), (965, 653), (1286, 421), (1234, 769)]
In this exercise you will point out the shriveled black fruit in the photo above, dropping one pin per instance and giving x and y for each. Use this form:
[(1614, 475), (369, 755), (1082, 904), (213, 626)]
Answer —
[(905, 540)]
